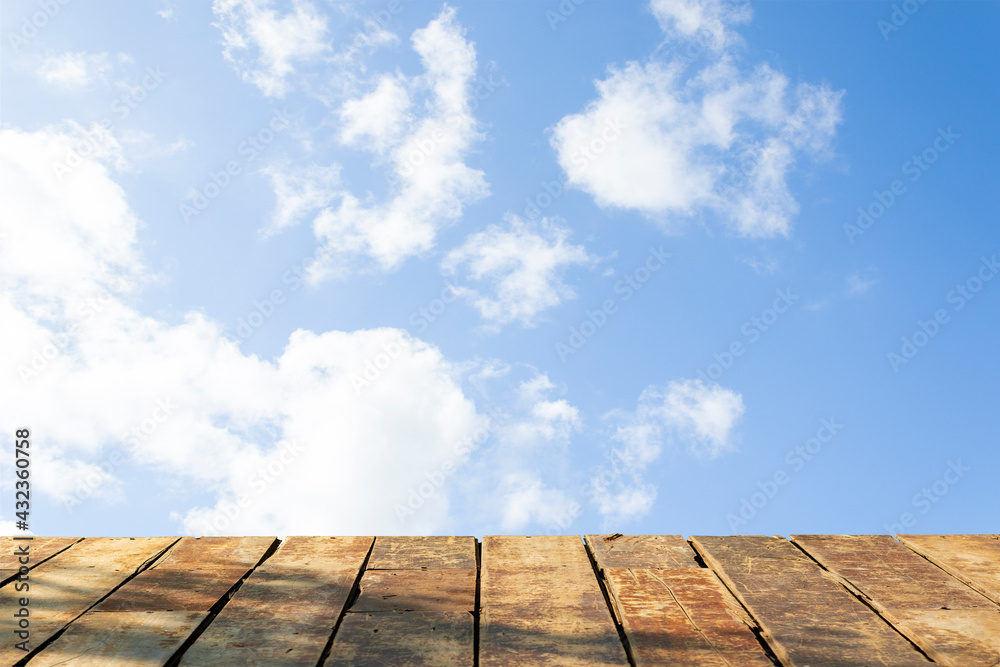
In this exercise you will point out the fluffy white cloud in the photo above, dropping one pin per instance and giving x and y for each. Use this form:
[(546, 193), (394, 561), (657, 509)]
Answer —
[(704, 21), (74, 71), (687, 414), (674, 144), (338, 419), (376, 119), (523, 262), (264, 45), (300, 192)]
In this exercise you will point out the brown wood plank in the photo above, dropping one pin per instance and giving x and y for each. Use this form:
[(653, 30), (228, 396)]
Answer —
[(414, 553), (641, 551), (972, 559), (66, 585), (806, 616), (542, 605), (123, 639), (683, 616), (40, 549), (441, 639), (950, 622), (286, 610), (417, 590), (194, 575)]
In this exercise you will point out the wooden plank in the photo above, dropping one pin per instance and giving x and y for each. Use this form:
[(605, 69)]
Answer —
[(443, 639), (417, 590), (542, 605), (193, 576), (414, 553), (641, 551), (806, 616), (123, 639), (683, 616), (69, 583), (950, 622), (286, 610), (972, 559), (40, 549)]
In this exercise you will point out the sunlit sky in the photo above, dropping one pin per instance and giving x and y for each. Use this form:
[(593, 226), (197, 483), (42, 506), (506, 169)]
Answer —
[(681, 266)]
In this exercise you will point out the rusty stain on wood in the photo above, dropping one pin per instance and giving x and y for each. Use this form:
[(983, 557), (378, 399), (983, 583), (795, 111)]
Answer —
[(948, 620), (417, 590), (805, 615), (973, 559), (414, 553), (641, 551)]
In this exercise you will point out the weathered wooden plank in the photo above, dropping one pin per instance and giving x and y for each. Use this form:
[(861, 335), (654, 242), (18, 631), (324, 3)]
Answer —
[(417, 590), (683, 616), (441, 639), (193, 576), (69, 583), (123, 639), (414, 553), (641, 551), (286, 610), (950, 622), (40, 549), (542, 605), (972, 559), (806, 616)]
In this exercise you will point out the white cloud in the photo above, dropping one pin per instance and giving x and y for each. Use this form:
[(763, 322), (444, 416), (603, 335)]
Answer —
[(167, 13), (673, 144), (74, 71), (286, 438), (264, 45), (686, 413), (300, 192), (430, 183), (704, 21), (523, 263), (861, 281)]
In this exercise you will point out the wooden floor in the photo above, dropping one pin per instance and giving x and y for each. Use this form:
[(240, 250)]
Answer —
[(816, 600)]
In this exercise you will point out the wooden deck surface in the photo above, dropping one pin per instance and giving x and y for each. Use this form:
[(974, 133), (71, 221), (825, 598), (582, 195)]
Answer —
[(753, 601)]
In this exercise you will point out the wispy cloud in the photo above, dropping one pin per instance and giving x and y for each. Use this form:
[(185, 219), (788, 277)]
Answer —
[(77, 71)]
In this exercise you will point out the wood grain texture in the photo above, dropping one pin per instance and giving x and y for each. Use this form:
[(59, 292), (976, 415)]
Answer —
[(442, 639), (286, 610), (949, 621), (417, 590), (541, 604), (414, 553), (72, 581), (972, 559), (806, 616), (683, 616), (641, 551), (40, 549), (123, 639)]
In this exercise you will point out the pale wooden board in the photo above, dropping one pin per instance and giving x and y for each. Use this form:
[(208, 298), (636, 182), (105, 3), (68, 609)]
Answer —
[(286, 610), (417, 590), (69, 583), (973, 559), (683, 616), (541, 604), (40, 549), (806, 616), (123, 639), (949, 621), (193, 576), (442, 639), (641, 551), (414, 553)]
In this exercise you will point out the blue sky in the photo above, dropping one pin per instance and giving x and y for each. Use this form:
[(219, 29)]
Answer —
[(685, 266)]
